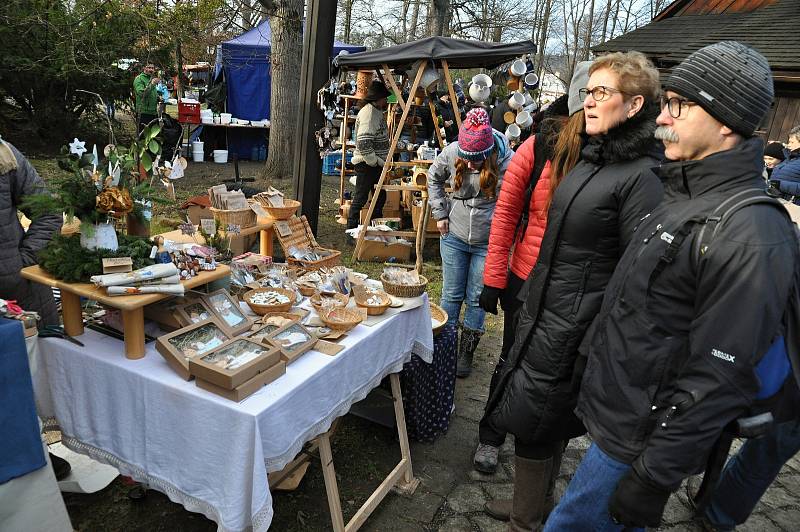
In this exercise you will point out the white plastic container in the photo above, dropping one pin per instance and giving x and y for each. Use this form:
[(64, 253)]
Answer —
[(198, 156), (197, 146), (221, 156), (225, 118)]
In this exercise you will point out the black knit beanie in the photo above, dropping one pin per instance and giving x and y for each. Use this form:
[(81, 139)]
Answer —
[(731, 81)]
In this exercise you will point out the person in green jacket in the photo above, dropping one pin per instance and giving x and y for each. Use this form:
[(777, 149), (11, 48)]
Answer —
[(144, 87)]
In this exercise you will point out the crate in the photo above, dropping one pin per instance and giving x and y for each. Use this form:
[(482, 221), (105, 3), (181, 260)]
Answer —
[(332, 161), (300, 235), (188, 113)]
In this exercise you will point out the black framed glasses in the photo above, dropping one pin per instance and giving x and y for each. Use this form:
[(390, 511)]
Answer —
[(676, 105), (599, 93)]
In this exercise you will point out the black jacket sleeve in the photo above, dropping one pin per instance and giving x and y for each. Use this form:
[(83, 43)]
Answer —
[(743, 285), (26, 181), (637, 197)]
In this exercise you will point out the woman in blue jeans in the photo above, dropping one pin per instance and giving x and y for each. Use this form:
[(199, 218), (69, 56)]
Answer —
[(473, 168)]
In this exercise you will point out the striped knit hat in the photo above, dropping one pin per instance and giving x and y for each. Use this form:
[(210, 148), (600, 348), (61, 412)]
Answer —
[(475, 139), (731, 81)]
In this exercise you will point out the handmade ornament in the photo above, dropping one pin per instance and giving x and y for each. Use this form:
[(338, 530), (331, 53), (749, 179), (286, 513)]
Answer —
[(77, 147)]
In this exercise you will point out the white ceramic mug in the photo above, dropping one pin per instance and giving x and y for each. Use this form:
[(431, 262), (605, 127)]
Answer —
[(479, 93), (482, 79), (518, 68), (531, 81), (516, 100), (513, 132), (524, 119)]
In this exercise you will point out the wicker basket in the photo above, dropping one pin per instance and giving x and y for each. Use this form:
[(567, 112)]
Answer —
[(340, 301), (306, 290), (264, 309), (282, 213), (374, 310), (300, 235), (404, 290), (244, 218), (341, 319), (438, 314)]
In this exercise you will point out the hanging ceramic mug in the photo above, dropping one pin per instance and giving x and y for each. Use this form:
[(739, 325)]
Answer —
[(531, 81), (509, 117), (479, 93), (516, 101), (483, 80), (524, 119), (513, 132), (517, 68)]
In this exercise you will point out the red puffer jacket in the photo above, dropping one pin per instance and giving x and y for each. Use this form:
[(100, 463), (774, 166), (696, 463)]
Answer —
[(507, 213)]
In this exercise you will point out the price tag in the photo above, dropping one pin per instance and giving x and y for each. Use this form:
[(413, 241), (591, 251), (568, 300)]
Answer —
[(187, 228), (234, 228), (208, 225), (283, 228)]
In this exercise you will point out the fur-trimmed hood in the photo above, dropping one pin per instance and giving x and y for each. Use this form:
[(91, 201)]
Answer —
[(627, 141)]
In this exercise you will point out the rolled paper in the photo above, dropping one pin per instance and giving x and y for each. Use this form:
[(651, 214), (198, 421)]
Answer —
[(171, 289), (172, 279), (156, 271)]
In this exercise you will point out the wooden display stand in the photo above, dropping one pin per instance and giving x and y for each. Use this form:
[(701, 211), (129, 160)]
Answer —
[(420, 234), (132, 307), (264, 227)]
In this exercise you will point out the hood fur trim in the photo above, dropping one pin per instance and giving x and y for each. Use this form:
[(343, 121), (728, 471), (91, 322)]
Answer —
[(627, 141)]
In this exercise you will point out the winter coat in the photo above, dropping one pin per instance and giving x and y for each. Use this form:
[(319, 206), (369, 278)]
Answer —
[(146, 95), (372, 137), (445, 110), (19, 248), (789, 169), (590, 222), (507, 213), (469, 211), (700, 327)]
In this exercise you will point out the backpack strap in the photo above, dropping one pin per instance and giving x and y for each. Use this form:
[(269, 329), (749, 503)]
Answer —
[(540, 157)]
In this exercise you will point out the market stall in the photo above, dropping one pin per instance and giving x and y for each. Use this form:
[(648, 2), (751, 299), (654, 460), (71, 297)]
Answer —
[(416, 62)]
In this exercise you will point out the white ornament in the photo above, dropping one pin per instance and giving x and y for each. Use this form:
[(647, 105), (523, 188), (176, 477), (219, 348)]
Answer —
[(78, 147)]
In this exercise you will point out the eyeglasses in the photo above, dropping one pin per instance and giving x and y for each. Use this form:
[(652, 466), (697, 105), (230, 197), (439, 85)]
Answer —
[(599, 93), (675, 105)]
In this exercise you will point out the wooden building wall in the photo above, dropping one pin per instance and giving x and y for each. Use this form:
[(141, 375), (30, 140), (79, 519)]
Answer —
[(783, 116)]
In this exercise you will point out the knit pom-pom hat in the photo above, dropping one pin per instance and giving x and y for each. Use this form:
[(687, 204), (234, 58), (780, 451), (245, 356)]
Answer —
[(475, 138)]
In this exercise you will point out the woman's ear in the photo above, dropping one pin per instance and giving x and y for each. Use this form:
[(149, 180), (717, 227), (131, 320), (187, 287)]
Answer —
[(635, 105)]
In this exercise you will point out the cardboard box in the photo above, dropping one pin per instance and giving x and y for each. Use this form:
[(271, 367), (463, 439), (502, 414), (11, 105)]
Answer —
[(378, 251), (392, 201), (226, 309), (292, 348), (117, 265), (344, 211), (242, 244), (247, 388), (415, 212), (179, 347), (212, 366), (197, 208)]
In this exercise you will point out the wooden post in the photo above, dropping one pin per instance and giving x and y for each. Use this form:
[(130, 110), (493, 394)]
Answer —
[(343, 140), (72, 313), (331, 486), (435, 122), (314, 71), (422, 230), (133, 325), (386, 165), (387, 75), (409, 482), (453, 101)]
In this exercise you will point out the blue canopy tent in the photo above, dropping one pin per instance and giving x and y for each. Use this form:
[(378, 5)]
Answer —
[(245, 62)]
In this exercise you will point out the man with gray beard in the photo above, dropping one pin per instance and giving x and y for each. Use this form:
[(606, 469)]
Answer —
[(675, 354)]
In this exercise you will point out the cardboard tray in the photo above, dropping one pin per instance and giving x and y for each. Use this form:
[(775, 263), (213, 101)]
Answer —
[(247, 388), (176, 358), (294, 352), (229, 379)]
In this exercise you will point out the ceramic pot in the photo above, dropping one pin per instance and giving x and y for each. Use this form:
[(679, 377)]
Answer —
[(101, 236), (516, 101)]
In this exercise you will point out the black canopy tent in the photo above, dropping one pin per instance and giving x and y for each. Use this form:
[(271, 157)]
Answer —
[(450, 53), (458, 54)]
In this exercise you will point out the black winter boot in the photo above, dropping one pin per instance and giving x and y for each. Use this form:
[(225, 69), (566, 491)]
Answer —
[(466, 349)]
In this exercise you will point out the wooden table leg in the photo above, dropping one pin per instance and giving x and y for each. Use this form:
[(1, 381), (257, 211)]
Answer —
[(133, 326), (408, 483), (265, 241), (72, 313), (331, 486)]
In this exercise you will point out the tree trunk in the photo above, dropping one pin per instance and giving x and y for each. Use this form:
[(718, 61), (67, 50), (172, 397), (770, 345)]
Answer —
[(543, 31), (285, 22), (412, 29), (589, 25), (348, 19), (605, 21), (440, 7)]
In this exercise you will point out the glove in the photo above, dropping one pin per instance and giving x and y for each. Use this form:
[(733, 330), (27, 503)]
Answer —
[(488, 299), (638, 502)]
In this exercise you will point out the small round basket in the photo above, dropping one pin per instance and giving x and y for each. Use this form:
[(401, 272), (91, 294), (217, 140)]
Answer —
[(404, 290), (264, 309), (282, 213), (438, 318), (306, 290), (341, 319), (244, 218), (335, 300), (373, 309)]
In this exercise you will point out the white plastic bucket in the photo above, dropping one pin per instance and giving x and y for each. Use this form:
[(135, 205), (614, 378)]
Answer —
[(220, 156), (197, 145), (198, 156), (225, 118)]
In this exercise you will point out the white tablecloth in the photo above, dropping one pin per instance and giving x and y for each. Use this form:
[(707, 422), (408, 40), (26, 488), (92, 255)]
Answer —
[(206, 452)]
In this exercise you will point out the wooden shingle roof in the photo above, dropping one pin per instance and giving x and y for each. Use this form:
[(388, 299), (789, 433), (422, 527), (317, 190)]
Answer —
[(772, 30)]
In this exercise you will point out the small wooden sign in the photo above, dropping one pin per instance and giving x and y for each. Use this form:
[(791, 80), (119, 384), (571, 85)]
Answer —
[(187, 228), (208, 225), (283, 228), (234, 228), (118, 265)]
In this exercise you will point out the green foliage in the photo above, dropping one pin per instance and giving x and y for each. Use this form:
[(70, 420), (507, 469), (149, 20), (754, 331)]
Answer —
[(67, 260)]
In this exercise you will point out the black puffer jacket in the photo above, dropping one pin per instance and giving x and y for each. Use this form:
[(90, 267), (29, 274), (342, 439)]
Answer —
[(698, 331), (591, 219), (17, 247)]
